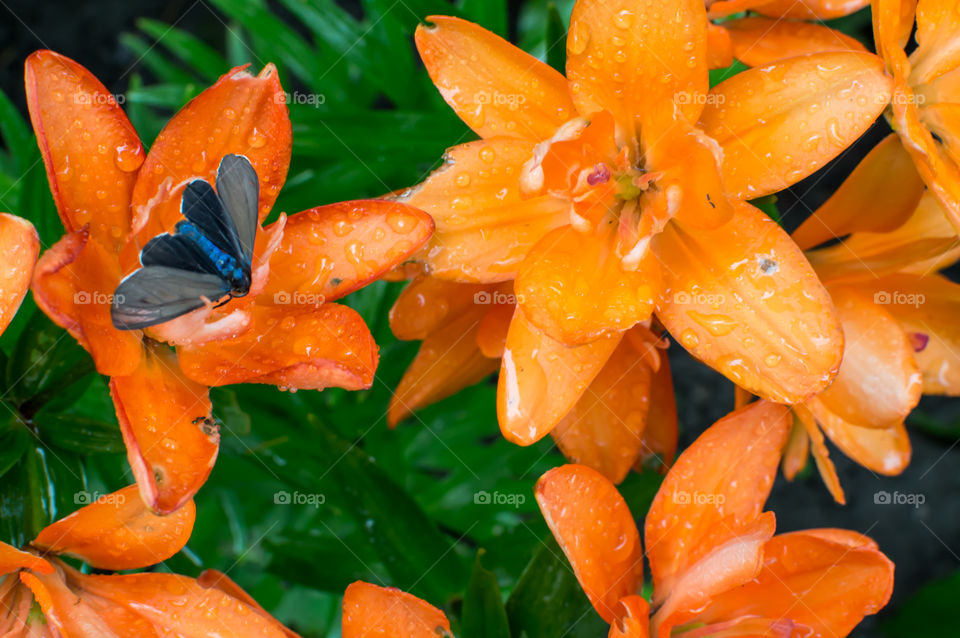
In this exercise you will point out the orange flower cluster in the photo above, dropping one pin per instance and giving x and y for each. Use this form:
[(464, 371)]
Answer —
[(600, 215)]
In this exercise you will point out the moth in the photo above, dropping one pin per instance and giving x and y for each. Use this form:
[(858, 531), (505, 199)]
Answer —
[(207, 259)]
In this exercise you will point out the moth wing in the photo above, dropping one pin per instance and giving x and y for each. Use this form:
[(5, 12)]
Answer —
[(239, 190), (179, 252), (202, 207), (157, 294)]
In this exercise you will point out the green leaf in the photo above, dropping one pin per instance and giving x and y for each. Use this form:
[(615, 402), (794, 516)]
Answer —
[(79, 434), (14, 438), (154, 60), (490, 14), (17, 137), (483, 613), (556, 39), (719, 75), (768, 205), (189, 49), (548, 601), (932, 611)]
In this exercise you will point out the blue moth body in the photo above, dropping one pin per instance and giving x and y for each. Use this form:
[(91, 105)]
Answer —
[(228, 267)]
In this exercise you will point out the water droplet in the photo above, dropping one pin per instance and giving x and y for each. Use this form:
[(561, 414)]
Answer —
[(256, 139), (579, 38), (463, 179), (129, 158), (689, 338), (488, 155)]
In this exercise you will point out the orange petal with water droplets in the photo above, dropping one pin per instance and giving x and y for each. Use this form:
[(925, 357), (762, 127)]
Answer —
[(330, 251), (541, 379), (869, 200), (73, 284), (938, 48), (595, 529), (743, 299), (241, 114), (719, 47), (494, 326), (756, 114), (632, 618), (66, 613), (878, 383), (497, 89), (810, 9), (724, 477), (178, 605), (90, 149), (117, 531), (211, 578), (165, 421), (605, 429), (370, 611), (758, 41), (12, 559), (572, 286), (927, 308), (427, 303), (638, 59), (484, 226), (449, 360), (821, 456), (297, 347), (882, 450), (660, 434), (19, 245), (800, 581)]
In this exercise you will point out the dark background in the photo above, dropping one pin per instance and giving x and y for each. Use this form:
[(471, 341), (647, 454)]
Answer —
[(924, 542)]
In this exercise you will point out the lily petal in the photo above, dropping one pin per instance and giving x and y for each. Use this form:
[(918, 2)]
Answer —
[(869, 200), (799, 582), (638, 59), (449, 360), (427, 303), (878, 383), (73, 284), (19, 245), (756, 114), (91, 151), (496, 88), (882, 450), (241, 114), (119, 532), (796, 452), (632, 618), (743, 299), (211, 578), (715, 490), (330, 251), (595, 529), (541, 379), (758, 41), (171, 440), (65, 612), (484, 226), (294, 347), (12, 559), (821, 455), (573, 287), (605, 429), (660, 434), (810, 9), (370, 611)]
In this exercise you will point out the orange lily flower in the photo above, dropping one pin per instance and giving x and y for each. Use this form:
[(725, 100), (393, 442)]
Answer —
[(118, 532), (19, 245), (627, 414), (113, 198), (370, 611), (602, 195), (926, 94), (718, 569), (897, 315), (780, 29)]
